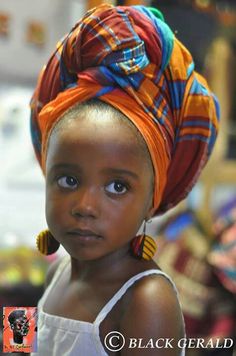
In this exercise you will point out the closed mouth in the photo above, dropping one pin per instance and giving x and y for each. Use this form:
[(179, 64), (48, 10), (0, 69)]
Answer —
[(84, 235)]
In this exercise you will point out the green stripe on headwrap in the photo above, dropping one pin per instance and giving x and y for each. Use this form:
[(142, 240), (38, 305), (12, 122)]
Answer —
[(157, 13)]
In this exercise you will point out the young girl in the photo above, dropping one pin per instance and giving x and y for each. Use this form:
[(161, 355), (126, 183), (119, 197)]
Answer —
[(122, 126)]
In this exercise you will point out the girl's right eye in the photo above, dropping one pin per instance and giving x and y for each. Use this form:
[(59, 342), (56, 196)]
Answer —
[(67, 182)]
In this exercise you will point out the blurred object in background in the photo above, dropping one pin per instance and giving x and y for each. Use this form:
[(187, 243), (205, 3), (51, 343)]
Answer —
[(22, 269), (209, 309), (93, 3), (21, 182), (30, 31), (196, 29), (21, 265), (133, 2), (223, 253), (36, 33), (4, 24), (22, 276), (220, 60)]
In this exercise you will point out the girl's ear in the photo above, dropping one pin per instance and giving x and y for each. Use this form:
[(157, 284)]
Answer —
[(150, 213)]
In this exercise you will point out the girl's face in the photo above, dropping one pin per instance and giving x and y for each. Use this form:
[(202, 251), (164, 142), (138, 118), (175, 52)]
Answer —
[(98, 185)]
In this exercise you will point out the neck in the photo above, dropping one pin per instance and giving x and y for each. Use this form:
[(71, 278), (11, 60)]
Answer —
[(103, 268)]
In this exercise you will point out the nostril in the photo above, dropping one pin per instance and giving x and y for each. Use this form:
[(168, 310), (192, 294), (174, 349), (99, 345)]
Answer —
[(86, 203), (83, 212)]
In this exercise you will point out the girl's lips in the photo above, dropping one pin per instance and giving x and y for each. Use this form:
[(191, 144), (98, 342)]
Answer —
[(84, 235)]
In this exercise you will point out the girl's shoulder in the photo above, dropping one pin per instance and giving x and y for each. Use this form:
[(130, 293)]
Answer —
[(153, 310), (155, 287)]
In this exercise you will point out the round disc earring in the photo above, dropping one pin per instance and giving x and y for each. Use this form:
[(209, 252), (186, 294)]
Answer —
[(46, 243)]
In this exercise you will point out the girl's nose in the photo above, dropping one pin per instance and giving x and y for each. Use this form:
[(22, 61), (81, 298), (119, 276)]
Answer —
[(85, 203)]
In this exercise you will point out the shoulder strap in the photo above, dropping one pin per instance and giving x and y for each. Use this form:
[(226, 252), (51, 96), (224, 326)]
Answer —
[(56, 276), (108, 307)]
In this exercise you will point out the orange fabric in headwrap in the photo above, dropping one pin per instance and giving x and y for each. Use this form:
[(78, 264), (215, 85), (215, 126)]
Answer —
[(130, 59)]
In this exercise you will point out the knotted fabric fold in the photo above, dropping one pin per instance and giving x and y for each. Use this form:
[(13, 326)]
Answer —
[(129, 58)]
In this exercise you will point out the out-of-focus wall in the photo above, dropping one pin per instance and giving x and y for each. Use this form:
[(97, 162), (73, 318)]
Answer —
[(20, 59), (21, 182)]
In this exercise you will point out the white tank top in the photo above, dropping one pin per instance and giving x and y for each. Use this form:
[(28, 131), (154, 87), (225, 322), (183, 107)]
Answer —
[(59, 336)]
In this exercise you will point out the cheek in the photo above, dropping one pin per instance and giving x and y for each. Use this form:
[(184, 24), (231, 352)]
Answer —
[(55, 210), (51, 215), (124, 218)]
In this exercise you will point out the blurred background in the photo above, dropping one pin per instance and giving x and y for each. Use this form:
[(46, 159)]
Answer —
[(197, 240)]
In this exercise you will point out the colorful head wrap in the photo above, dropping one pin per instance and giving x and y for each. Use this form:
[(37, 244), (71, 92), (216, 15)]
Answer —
[(129, 58)]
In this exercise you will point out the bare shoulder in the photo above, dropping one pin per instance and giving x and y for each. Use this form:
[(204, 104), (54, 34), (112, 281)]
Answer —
[(51, 271), (153, 312)]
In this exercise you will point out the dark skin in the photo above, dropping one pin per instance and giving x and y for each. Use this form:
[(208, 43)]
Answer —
[(98, 193)]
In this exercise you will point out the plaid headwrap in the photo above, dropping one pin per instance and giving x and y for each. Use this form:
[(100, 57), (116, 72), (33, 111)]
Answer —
[(129, 58)]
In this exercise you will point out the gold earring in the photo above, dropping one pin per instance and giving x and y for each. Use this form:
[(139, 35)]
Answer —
[(46, 243), (143, 246)]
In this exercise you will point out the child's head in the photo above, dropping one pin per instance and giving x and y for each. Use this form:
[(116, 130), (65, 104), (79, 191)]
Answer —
[(129, 58), (99, 180)]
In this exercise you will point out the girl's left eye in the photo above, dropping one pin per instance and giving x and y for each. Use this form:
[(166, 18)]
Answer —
[(116, 188), (68, 182)]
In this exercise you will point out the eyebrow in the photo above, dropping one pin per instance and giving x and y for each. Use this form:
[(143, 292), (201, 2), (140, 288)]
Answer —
[(121, 172), (105, 170), (64, 166)]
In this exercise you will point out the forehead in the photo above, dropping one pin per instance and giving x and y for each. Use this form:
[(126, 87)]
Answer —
[(103, 120), (93, 133)]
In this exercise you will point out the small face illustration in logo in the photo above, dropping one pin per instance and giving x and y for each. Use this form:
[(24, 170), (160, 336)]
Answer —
[(19, 325)]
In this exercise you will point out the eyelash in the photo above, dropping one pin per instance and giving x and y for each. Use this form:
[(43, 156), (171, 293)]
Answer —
[(63, 183), (124, 184), (58, 179)]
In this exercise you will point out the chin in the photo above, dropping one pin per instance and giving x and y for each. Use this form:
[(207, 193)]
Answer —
[(83, 255)]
